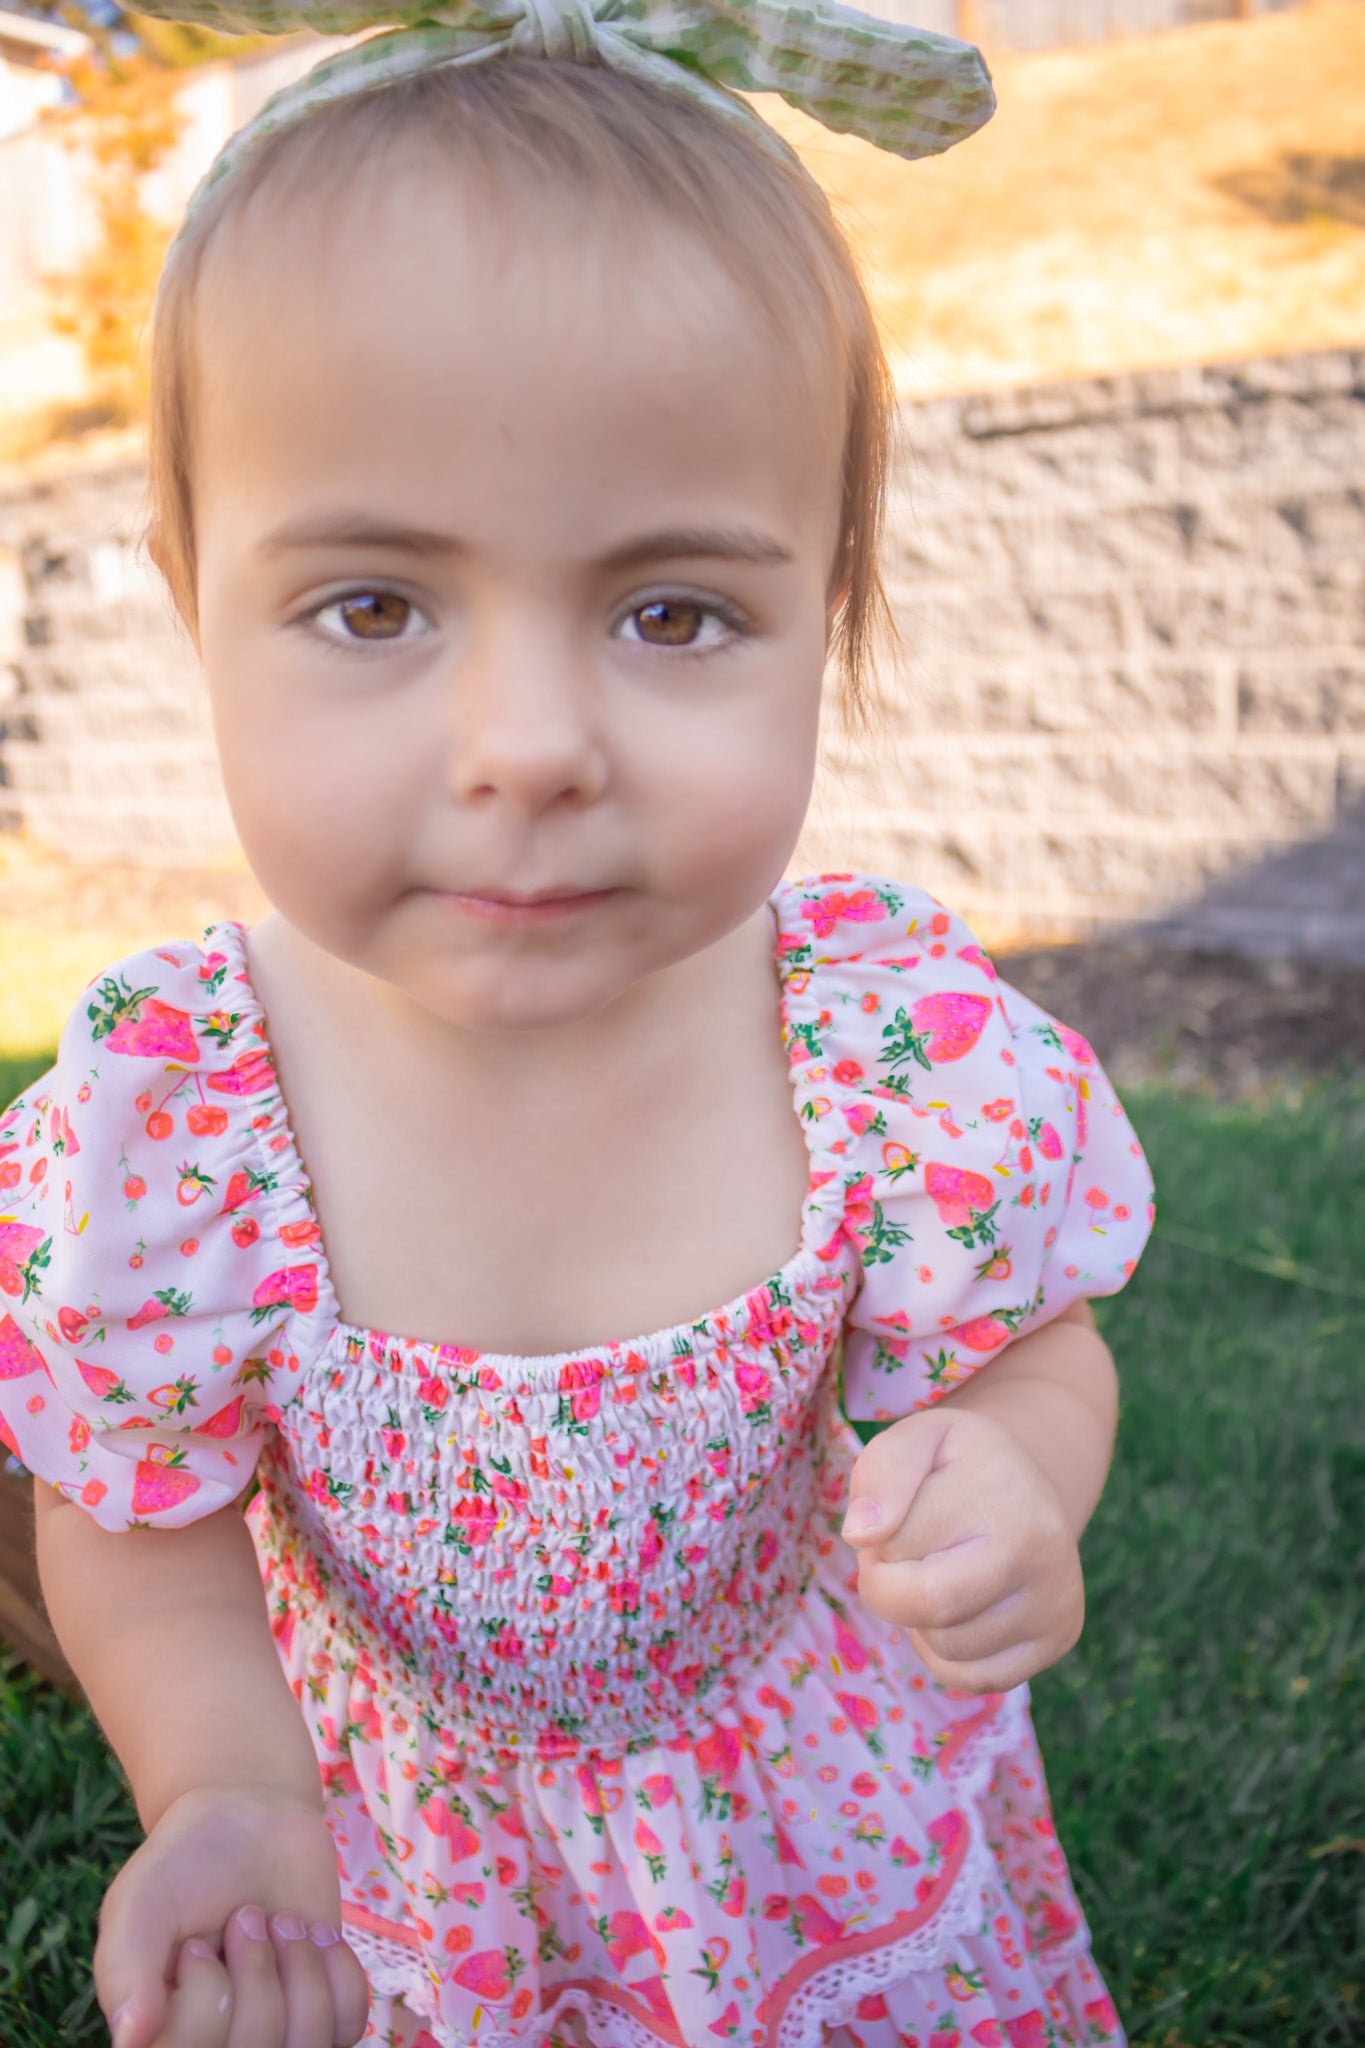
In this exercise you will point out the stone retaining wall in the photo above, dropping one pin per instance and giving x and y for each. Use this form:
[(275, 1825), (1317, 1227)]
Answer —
[(1133, 615)]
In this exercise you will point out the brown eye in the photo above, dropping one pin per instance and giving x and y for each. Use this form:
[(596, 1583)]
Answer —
[(374, 614), (668, 623)]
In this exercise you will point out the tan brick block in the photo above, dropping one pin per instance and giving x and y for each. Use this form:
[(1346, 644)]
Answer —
[(1099, 698), (1083, 465), (1208, 786), (1324, 696), (1314, 525)]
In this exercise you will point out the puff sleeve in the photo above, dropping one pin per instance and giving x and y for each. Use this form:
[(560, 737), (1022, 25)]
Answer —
[(159, 1275), (966, 1144)]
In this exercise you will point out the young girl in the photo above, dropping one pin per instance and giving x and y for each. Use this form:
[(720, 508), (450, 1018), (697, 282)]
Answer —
[(519, 434)]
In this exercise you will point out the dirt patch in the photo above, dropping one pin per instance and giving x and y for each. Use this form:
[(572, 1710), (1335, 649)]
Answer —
[(1216, 1020)]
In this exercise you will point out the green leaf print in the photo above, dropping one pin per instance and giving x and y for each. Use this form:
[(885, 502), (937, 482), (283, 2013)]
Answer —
[(903, 1042), (881, 1239)]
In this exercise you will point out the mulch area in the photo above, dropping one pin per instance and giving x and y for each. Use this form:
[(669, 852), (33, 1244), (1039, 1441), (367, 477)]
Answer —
[(1199, 1019)]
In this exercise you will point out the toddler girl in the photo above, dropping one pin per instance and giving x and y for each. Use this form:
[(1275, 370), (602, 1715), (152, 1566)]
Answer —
[(518, 441)]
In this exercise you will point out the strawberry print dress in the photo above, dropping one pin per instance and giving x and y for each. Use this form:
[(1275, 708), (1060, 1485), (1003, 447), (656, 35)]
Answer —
[(612, 1752)]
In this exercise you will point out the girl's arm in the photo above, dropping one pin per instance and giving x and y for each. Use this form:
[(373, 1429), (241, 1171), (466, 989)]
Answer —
[(1057, 1393), (204, 1928), (167, 1632), (966, 1515)]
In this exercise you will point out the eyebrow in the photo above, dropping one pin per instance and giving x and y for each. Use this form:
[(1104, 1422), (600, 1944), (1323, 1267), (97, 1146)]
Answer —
[(712, 543)]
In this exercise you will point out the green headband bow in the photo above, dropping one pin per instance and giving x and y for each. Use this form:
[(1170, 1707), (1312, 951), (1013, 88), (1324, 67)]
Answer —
[(903, 89)]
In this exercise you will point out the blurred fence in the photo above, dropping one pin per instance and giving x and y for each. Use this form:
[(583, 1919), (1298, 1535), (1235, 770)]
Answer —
[(1134, 616)]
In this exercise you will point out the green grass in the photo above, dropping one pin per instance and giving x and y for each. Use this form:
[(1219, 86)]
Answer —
[(1202, 1743)]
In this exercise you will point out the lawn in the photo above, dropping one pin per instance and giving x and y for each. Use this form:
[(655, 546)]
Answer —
[(1202, 1742)]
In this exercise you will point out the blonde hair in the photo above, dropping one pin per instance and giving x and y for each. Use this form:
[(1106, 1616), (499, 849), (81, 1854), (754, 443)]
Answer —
[(588, 130)]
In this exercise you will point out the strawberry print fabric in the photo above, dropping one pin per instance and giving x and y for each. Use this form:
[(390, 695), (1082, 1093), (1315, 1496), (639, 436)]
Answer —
[(611, 1750)]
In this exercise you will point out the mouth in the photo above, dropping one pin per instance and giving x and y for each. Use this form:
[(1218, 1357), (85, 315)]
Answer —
[(524, 906)]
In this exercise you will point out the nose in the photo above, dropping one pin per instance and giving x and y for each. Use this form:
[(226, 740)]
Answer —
[(527, 721)]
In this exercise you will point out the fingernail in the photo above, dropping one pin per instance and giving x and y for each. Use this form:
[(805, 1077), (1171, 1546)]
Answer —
[(200, 1948), (251, 1920), (323, 1936), (863, 1516), (288, 1926), (121, 2025)]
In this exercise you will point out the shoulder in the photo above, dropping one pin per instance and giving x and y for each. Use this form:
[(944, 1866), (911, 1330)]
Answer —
[(858, 948), (156, 1230), (969, 1145)]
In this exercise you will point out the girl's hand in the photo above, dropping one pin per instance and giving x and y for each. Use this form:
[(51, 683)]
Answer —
[(965, 1543), (177, 1965)]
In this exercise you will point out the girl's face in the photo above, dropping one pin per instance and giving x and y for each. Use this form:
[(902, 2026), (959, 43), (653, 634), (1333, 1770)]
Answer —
[(514, 538)]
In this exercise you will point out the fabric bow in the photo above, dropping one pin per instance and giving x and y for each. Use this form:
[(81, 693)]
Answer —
[(902, 89)]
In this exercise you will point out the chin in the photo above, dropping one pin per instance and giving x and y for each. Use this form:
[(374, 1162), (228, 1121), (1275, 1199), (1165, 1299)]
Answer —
[(514, 1001)]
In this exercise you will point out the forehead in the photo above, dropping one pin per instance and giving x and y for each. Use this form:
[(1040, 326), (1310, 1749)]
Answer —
[(440, 347)]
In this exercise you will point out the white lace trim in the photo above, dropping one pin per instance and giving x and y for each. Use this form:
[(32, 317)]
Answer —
[(826, 1999)]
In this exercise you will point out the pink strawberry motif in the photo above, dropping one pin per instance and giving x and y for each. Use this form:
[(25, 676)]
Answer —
[(946, 2037), (227, 1422), (1080, 1049), (1029, 2030), (249, 1074), (734, 1898), (64, 1140), (817, 1925), (952, 1021), (18, 1356), (165, 1302), (24, 1251), (948, 1830), (862, 907), (987, 2034), (787, 1851), (956, 1192), (983, 1333), (441, 1817), (720, 1754), (475, 1518), (138, 1023), (1049, 1143), (1101, 2015), (72, 1324), (486, 1974), (861, 1711), (98, 1378), (851, 1652), (658, 1789), (161, 1481), (627, 1936), (295, 1285), (579, 1380), (975, 957), (727, 2026)]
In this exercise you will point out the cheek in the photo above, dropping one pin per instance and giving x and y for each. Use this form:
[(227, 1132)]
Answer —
[(300, 791), (733, 803)]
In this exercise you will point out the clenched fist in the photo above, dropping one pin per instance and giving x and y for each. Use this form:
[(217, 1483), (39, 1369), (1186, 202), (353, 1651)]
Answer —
[(964, 1542)]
